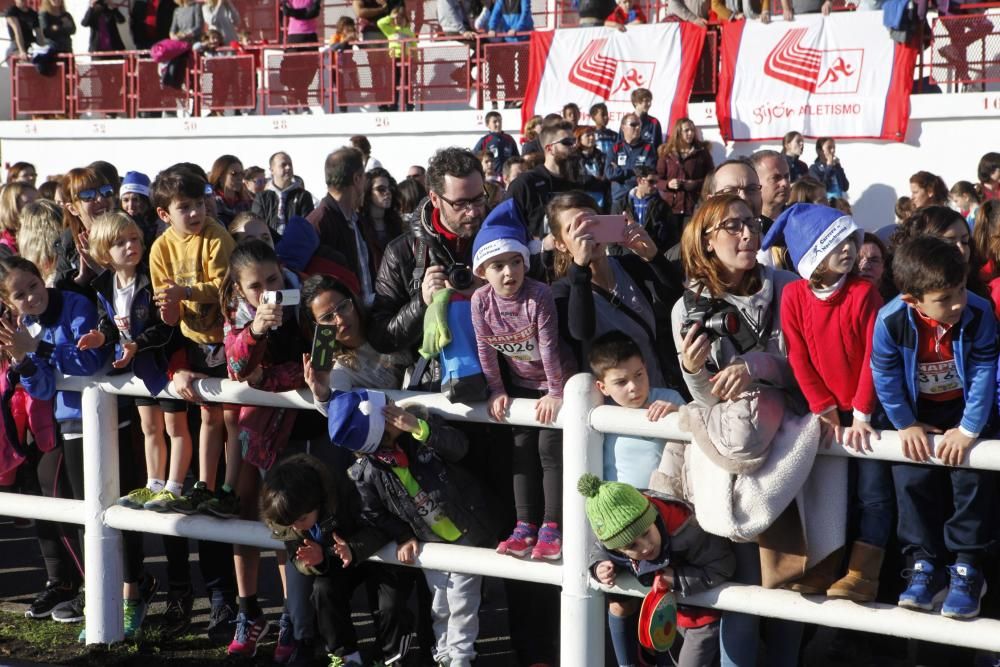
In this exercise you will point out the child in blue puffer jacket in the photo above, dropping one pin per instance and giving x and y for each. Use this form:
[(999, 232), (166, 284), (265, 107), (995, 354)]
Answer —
[(42, 343)]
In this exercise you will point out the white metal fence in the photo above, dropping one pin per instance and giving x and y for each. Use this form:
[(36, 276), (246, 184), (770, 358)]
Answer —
[(584, 420)]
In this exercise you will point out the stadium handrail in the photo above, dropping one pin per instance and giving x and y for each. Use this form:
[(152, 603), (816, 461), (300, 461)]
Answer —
[(584, 420)]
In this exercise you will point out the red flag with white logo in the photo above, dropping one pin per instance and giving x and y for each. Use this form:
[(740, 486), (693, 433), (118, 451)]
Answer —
[(591, 65), (825, 76)]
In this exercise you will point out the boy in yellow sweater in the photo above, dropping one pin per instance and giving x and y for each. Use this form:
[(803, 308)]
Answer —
[(187, 264)]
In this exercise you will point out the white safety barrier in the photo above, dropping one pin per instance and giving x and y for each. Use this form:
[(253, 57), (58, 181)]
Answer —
[(584, 420)]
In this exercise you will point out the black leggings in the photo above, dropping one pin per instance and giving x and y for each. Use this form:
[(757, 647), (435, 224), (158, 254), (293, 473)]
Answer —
[(57, 541), (131, 541), (537, 467)]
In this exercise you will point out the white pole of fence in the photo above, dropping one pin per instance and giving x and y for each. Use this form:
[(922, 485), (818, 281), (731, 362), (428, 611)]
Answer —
[(42, 509), (103, 545), (581, 630)]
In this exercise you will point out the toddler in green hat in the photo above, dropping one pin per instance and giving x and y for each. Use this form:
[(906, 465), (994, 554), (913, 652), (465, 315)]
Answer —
[(651, 535)]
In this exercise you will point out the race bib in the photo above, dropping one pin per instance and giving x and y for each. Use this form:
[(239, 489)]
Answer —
[(938, 377), (522, 345), (622, 159), (124, 328)]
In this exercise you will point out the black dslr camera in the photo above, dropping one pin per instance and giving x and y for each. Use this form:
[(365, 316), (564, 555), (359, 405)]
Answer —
[(717, 318), (460, 276)]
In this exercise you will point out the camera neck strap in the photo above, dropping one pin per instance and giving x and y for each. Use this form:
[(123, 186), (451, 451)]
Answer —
[(617, 304)]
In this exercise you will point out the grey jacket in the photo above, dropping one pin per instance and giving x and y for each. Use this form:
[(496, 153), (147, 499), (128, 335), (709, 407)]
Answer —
[(700, 560)]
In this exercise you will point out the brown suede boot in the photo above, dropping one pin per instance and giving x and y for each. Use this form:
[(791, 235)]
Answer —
[(860, 584)]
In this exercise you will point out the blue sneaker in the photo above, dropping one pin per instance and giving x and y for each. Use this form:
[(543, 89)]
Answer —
[(966, 590), (927, 588)]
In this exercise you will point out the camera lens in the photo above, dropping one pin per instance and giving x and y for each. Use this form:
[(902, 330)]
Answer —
[(460, 277)]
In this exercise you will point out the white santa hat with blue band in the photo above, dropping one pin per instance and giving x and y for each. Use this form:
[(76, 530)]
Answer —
[(811, 232), (503, 231), (355, 420)]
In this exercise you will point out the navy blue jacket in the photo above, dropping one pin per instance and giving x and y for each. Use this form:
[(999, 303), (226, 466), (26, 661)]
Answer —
[(499, 144), (622, 159), (153, 336), (896, 374), (651, 131)]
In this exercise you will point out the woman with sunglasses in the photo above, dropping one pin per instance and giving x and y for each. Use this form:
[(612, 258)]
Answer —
[(89, 195), (226, 179), (381, 221), (719, 364)]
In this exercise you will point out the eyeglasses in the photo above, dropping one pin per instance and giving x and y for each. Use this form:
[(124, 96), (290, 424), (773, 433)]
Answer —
[(737, 189), (260, 181), (381, 189), (90, 194), (467, 204), (565, 141), (341, 310), (734, 226), (633, 124)]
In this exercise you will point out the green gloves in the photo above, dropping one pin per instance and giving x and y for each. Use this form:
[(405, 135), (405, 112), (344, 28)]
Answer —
[(436, 332)]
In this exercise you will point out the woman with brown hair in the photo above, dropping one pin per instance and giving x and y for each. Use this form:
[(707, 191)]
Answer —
[(682, 164), (88, 196), (738, 375), (927, 189), (595, 293), (226, 179)]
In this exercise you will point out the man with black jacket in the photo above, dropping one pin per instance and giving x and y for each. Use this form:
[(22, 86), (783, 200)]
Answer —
[(533, 189), (442, 236), (625, 156), (283, 197), (336, 217)]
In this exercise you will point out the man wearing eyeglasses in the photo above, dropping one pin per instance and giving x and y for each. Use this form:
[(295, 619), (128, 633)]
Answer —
[(420, 263), (624, 157), (533, 189), (283, 197)]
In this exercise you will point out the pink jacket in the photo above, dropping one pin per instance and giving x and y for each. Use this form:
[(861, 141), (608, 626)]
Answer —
[(21, 413)]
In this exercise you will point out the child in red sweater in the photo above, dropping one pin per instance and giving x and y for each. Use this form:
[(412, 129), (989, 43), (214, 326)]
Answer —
[(828, 319)]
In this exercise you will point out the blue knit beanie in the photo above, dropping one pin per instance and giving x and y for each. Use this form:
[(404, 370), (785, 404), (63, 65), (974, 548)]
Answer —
[(136, 182), (811, 232), (503, 231), (355, 420)]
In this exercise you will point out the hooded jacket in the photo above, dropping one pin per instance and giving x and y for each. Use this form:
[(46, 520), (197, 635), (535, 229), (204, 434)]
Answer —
[(434, 464), (700, 561), (154, 337), (341, 514), (267, 205), (67, 317)]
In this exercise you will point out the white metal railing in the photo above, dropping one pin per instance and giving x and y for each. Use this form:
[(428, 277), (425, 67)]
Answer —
[(584, 420)]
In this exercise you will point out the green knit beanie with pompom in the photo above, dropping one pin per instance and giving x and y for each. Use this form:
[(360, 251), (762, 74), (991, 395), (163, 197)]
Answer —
[(618, 513)]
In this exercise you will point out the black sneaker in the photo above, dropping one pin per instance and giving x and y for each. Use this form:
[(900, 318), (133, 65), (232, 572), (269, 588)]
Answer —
[(188, 504), (147, 588), (54, 595), (220, 623), (177, 617), (70, 611)]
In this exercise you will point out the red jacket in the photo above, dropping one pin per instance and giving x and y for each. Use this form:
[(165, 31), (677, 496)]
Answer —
[(830, 343), (692, 170)]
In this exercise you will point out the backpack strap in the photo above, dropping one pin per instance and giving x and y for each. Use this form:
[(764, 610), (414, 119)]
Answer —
[(420, 261)]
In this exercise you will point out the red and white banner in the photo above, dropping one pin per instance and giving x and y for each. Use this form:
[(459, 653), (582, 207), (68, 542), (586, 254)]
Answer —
[(825, 76), (591, 65)]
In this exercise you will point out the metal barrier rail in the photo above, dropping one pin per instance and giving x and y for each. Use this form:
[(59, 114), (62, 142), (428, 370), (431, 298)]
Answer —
[(583, 419)]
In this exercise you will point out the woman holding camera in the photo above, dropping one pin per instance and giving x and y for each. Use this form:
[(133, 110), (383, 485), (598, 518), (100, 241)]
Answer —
[(727, 329), (595, 293)]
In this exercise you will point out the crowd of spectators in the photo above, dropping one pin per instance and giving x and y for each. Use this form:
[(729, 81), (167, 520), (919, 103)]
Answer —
[(739, 293)]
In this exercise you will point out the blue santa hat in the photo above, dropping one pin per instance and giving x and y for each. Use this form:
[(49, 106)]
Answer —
[(503, 231), (136, 182), (811, 232), (355, 420)]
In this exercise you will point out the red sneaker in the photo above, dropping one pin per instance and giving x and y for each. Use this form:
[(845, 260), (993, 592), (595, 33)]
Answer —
[(520, 541), (549, 545), (248, 633)]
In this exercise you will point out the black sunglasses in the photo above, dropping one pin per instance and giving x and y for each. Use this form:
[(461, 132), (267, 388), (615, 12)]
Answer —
[(90, 194)]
